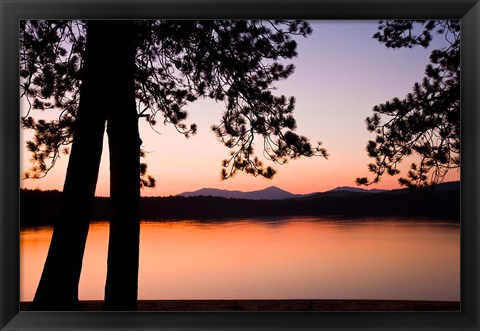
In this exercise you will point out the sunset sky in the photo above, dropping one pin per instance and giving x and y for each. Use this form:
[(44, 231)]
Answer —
[(341, 73)]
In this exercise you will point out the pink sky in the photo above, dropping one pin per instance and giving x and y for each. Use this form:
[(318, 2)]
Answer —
[(341, 73)]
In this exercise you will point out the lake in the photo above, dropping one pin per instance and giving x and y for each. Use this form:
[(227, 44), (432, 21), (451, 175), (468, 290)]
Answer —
[(293, 258)]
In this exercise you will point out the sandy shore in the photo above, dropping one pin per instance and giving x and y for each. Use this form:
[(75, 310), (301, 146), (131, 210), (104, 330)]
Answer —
[(280, 305)]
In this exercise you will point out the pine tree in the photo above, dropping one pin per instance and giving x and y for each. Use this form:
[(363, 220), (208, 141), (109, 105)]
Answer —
[(426, 123), (120, 72)]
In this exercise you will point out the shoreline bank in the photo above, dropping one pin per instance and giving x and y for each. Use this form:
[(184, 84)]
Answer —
[(279, 305)]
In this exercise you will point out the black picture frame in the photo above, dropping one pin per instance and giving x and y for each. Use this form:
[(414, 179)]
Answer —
[(11, 11)]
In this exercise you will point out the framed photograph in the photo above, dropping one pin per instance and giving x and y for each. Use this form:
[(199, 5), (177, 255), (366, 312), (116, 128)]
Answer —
[(330, 179)]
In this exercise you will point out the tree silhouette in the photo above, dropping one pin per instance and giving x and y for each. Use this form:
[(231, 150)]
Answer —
[(117, 72), (426, 123)]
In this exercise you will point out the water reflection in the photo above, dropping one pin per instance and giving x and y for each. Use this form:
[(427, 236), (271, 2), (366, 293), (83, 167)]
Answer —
[(307, 258)]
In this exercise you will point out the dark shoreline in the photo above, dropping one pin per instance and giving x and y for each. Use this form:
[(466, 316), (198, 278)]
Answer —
[(280, 305), (434, 205)]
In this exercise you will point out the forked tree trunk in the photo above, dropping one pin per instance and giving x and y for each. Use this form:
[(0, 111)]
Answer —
[(58, 287), (107, 86), (124, 147)]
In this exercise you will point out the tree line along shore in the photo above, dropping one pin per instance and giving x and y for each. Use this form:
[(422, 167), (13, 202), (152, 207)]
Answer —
[(39, 207)]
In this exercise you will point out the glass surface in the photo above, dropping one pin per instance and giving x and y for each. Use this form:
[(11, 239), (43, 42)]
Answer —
[(292, 258)]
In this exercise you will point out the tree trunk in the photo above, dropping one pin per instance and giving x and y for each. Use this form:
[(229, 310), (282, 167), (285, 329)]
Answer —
[(124, 147), (107, 87), (58, 287)]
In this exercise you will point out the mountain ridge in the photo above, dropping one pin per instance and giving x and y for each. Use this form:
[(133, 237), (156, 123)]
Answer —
[(276, 193), (268, 193)]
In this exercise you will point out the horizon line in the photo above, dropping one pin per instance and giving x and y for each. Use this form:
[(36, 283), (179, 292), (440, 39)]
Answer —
[(225, 190)]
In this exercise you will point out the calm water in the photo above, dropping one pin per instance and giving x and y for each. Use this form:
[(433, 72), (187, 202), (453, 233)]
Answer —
[(296, 258)]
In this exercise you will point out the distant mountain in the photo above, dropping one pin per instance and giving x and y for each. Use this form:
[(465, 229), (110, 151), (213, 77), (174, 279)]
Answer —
[(442, 187), (269, 193), (213, 192), (356, 190), (448, 186), (275, 193)]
